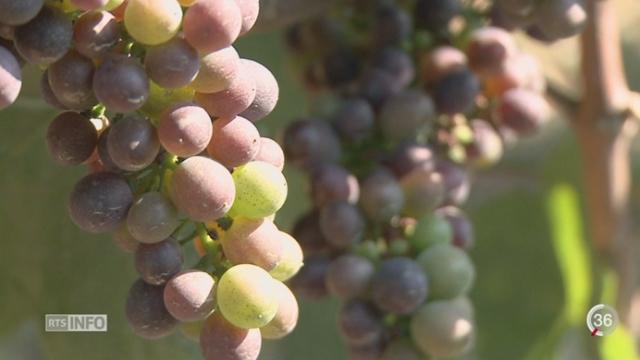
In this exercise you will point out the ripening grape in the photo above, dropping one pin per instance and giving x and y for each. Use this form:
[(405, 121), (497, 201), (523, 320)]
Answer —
[(488, 50), (431, 229), (185, 130), (456, 181), (561, 18), (331, 183), (231, 101), (291, 260), (267, 90), (10, 78), (123, 239), (88, 5), (349, 276), (456, 92), (221, 340), (161, 99), (354, 121), (486, 148), (211, 25), (254, 242), (152, 218), (235, 141), (159, 262), (71, 138), (309, 282), (443, 328), (392, 25), (441, 62), (71, 80), (522, 111), (113, 4), (217, 70), (359, 323), (192, 330), (146, 312), (342, 224), (189, 296), (435, 15), (19, 12), (173, 64), (381, 196), (409, 156), (103, 152), (46, 38), (399, 286), (405, 114), (202, 188), (270, 152), (339, 67), (461, 227), (133, 143), (424, 191), (261, 190), (152, 22), (247, 296), (378, 85), (286, 318), (450, 271), (307, 231), (95, 34), (308, 142), (45, 91), (121, 84), (401, 349), (397, 63), (99, 202), (249, 10)]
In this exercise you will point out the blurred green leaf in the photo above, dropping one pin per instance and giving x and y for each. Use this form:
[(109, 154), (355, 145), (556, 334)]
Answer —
[(619, 345)]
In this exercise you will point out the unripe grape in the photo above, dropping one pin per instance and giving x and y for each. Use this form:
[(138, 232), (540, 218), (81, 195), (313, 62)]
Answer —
[(221, 340), (424, 191), (189, 296), (267, 90), (113, 4), (488, 50), (399, 286), (211, 25), (235, 141), (124, 240), (185, 130), (261, 190), (450, 271), (486, 148), (152, 218), (331, 183), (523, 111), (10, 78), (405, 114), (192, 330), (286, 318), (349, 276), (342, 224), (152, 22), (461, 227), (146, 312), (14, 12), (270, 152), (381, 196), (249, 10), (95, 34), (231, 101), (441, 62), (133, 143), (456, 181), (161, 99), (291, 260), (359, 323), (217, 71), (159, 262), (430, 229), (71, 138), (247, 296), (45, 38), (254, 242)]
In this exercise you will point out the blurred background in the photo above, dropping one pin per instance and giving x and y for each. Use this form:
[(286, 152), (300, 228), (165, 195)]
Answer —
[(527, 212)]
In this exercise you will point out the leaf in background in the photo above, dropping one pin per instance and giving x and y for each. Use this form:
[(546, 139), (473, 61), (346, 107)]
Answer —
[(618, 346)]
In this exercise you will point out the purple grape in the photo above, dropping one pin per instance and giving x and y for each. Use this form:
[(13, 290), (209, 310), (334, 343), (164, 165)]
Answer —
[(310, 142), (359, 323), (71, 80), (309, 282), (399, 286), (20, 12), (133, 143), (354, 121), (159, 262), (121, 84), (342, 224), (330, 183), (146, 312), (95, 34), (349, 276), (10, 78), (71, 138), (45, 38)]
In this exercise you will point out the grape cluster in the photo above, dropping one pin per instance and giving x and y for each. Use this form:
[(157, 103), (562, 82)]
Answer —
[(411, 98), (159, 105)]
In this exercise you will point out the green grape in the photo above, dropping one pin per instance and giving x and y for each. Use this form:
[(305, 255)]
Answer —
[(152, 22), (450, 271), (291, 259), (161, 99), (247, 296), (113, 4), (431, 229), (286, 318), (261, 190)]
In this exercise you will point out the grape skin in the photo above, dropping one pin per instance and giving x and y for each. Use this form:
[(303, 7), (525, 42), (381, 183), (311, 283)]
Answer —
[(354, 121), (486, 148), (405, 114), (424, 191), (359, 323), (398, 64), (10, 78), (123, 239), (152, 22), (267, 90), (261, 190), (441, 62), (381, 196), (211, 25), (189, 296), (308, 142), (71, 80), (450, 270), (409, 156), (401, 350), (461, 227), (47, 94), (103, 152), (399, 286), (309, 282), (133, 143), (430, 229), (173, 64), (488, 50), (99, 202), (523, 111), (146, 312), (89, 5), (46, 38), (231, 101), (95, 34), (71, 138), (456, 93), (349, 276), (291, 260), (307, 231), (254, 242), (20, 12), (152, 218), (217, 70), (270, 152), (286, 318), (342, 224), (331, 183), (185, 130), (121, 84), (221, 340), (235, 141), (159, 262)]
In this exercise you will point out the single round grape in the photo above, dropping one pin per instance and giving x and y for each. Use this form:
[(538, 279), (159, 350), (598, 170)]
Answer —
[(359, 323), (399, 286), (192, 330), (211, 25), (235, 141), (519, 71), (307, 231), (378, 85), (341, 66), (342, 224), (409, 156), (267, 90), (561, 18), (47, 94), (424, 191), (523, 111), (133, 143), (203, 189), (349, 276), (173, 64), (217, 70), (441, 62), (71, 80), (71, 138), (354, 121), (308, 142), (161, 99), (124, 240), (189, 296), (261, 190), (185, 130), (461, 227), (291, 260), (159, 262), (254, 242), (103, 152), (88, 5), (401, 349), (270, 152), (456, 180), (46, 38), (286, 318), (431, 229), (247, 296), (20, 12), (221, 340), (309, 282), (99, 202), (381, 196), (405, 114), (456, 92), (331, 183), (397, 63), (450, 270), (443, 328), (249, 10), (152, 218), (435, 15), (488, 50), (121, 84), (392, 25), (146, 312), (10, 78), (487, 147), (231, 101), (152, 22)]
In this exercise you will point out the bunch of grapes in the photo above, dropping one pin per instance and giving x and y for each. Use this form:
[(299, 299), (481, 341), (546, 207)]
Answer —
[(159, 105), (411, 98)]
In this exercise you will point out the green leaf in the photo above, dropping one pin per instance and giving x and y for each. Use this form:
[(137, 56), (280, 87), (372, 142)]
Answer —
[(618, 345)]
